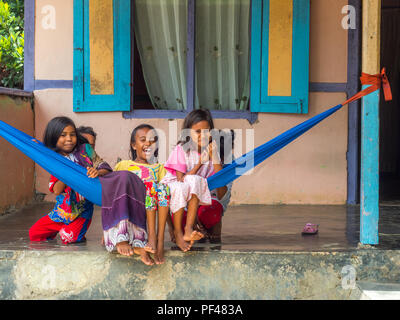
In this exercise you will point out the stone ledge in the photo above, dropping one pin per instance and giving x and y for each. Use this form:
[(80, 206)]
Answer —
[(200, 275)]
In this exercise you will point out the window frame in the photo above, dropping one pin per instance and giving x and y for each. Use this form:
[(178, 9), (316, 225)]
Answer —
[(255, 106), (83, 100), (298, 102)]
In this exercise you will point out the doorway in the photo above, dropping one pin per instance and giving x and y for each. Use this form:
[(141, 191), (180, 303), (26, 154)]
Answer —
[(389, 157)]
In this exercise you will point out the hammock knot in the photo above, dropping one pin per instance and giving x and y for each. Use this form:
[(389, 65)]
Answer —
[(377, 81)]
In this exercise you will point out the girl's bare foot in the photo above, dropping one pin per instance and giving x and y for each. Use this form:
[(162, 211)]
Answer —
[(192, 235), (159, 255), (151, 245), (172, 235), (181, 243), (124, 248), (144, 256)]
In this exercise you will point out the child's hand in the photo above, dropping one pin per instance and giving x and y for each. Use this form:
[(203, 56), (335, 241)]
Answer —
[(214, 154), (180, 176), (210, 153), (205, 155), (92, 172)]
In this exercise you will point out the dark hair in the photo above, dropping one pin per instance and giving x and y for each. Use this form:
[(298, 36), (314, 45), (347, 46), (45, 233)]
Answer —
[(133, 137), (54, 129), (87, 130), (194, 117)]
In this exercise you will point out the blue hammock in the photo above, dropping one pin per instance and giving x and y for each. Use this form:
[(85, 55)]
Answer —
[(72, 174), (75, 176)]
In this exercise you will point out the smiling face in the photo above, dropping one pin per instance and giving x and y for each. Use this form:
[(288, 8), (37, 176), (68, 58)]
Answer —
[(67, 140), (200, 134), (145, 145)]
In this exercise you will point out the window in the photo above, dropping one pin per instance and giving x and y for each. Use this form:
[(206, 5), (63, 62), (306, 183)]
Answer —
[(188, 54), (101, 55), (280, 56), (221, 61)]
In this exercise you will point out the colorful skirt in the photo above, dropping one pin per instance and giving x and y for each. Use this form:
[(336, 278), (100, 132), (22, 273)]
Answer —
[(123, 209)]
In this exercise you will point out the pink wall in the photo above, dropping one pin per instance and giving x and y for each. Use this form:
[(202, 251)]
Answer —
[(16, 170)]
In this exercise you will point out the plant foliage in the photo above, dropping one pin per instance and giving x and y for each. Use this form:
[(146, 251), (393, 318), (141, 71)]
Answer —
[(12, 43)]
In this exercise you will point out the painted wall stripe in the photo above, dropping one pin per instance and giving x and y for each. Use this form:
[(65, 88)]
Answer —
[(53, 84), (29, 45), (353, 74)]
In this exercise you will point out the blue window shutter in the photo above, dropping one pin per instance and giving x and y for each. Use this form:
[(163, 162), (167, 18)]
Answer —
[(83, 100), (259, 99)]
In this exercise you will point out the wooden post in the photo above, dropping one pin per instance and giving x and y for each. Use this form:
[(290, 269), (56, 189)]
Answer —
[(369, 202)]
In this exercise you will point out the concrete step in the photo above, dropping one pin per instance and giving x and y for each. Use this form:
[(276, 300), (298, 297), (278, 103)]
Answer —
[(379, 291), (70, 273)]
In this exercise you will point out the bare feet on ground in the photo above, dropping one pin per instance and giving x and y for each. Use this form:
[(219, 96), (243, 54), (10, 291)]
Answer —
[(151, 245), (181, 243), (144, 256), (124, 248), (192, 235), (172, 235), (159, 255)]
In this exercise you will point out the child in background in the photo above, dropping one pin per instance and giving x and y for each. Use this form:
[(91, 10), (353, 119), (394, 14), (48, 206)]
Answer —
[(72, 214), (144, 151), (193, 160), (89, 134)]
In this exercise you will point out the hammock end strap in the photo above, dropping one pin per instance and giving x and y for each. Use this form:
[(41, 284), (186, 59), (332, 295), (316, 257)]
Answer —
[(376, 81)]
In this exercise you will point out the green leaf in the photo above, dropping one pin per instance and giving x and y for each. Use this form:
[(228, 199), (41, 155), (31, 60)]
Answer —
[(11, 43)]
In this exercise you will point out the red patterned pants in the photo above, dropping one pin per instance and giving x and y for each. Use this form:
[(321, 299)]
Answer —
[(46, 229)]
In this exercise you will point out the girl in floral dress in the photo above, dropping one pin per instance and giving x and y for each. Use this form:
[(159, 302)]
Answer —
[(143, 147), (72, 213)]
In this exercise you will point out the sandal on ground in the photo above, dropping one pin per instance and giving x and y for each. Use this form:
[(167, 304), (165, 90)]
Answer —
[(310, 228)]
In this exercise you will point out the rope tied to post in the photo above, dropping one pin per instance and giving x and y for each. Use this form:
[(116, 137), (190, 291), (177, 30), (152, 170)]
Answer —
[(376, 81)]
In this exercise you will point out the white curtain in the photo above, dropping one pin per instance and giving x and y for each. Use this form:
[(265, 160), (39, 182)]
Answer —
[(161, 33), (221, 58), (222, 54)]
